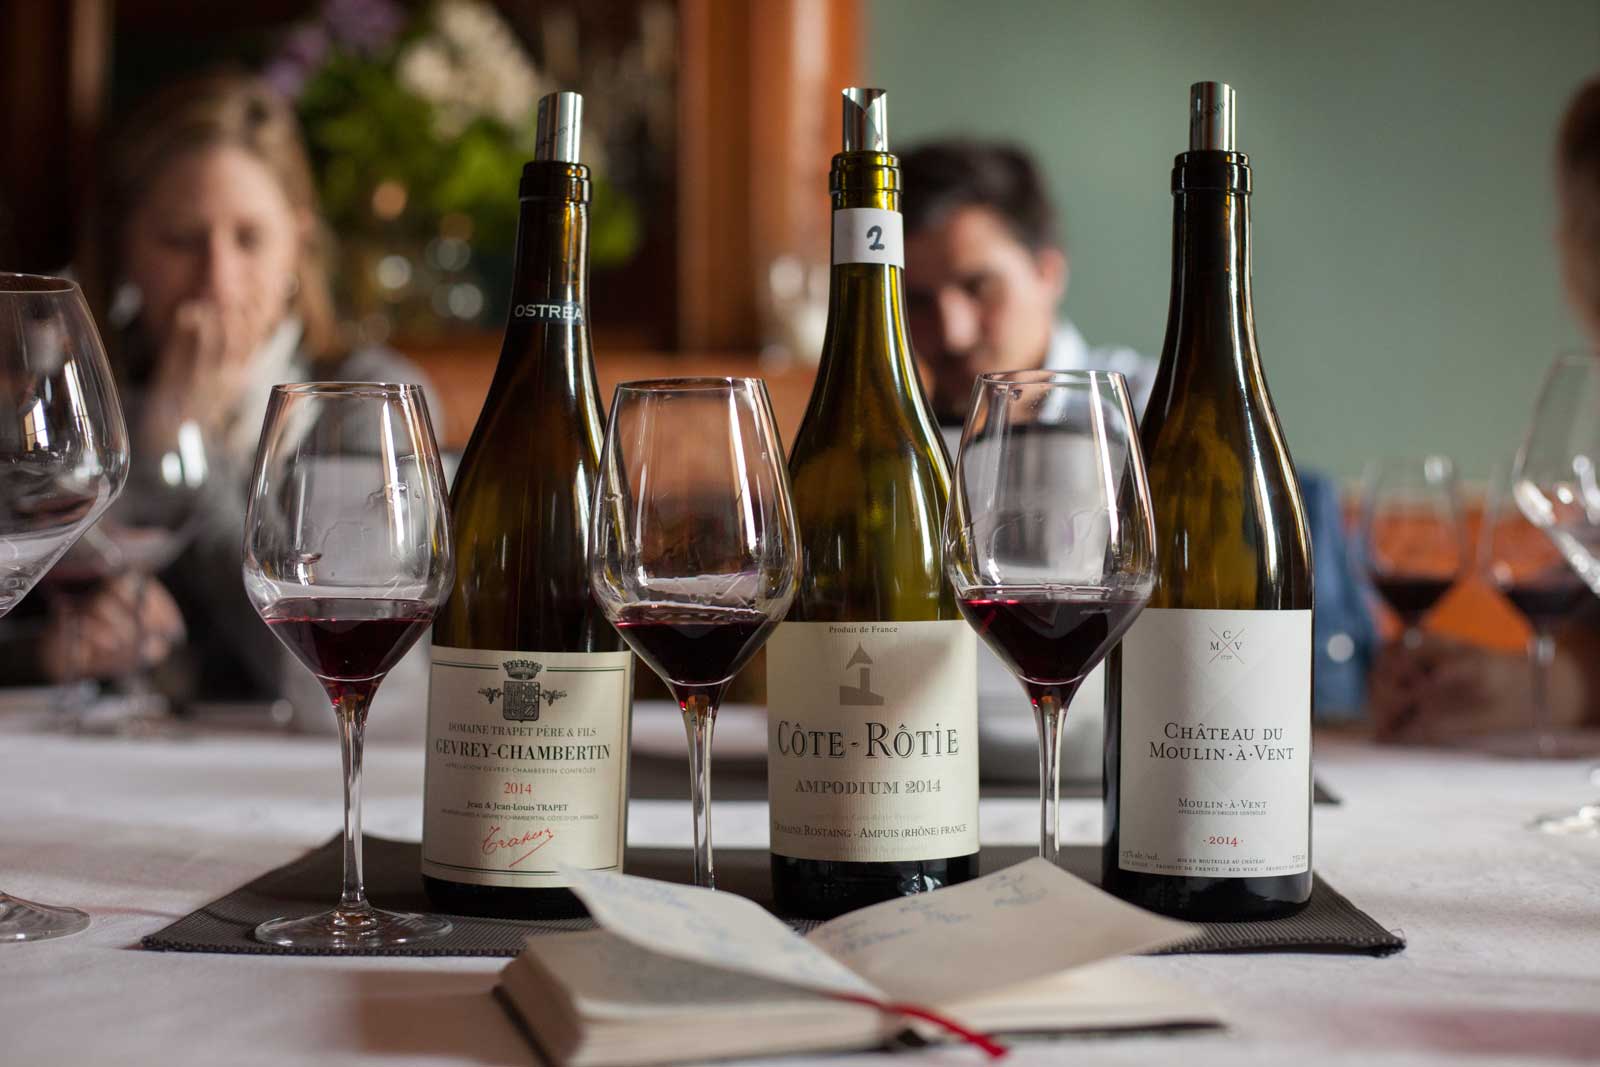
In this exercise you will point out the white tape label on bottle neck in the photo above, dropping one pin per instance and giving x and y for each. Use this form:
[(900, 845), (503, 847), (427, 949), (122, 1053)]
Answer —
[(868, 235)]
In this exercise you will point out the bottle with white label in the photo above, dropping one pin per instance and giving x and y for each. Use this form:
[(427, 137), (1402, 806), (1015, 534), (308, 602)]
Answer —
[(871, 681), (530, 699), (1208, 700)]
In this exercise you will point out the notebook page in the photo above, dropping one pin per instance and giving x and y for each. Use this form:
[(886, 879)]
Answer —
[(1023, 922), (719, 930)]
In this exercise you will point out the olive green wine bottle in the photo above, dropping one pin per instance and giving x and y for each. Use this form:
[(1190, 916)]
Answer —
[(871, 680), (531, 693), (1208, 699)]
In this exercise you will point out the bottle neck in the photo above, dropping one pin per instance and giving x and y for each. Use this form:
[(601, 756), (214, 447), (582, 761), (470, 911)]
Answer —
[(547, 327), (1210, 317), (867, 341)]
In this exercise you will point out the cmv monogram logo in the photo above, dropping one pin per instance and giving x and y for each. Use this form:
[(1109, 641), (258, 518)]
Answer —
[(521, 691), (1227, 645), (860, 695)]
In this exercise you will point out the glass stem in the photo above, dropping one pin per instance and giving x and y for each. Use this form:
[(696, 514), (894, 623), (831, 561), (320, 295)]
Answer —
[(1049, 706), (1541, 656), (350, 709), (699, 716)]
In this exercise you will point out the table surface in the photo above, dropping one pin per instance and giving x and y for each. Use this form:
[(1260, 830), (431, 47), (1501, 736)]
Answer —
[(1503, 924)]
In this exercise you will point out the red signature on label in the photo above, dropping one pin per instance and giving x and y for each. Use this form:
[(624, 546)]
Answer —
[(537, 838)]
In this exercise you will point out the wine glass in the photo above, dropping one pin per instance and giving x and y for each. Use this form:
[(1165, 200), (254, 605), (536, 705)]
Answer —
[(139, 536), (1049, 538), (1555, 486), (347, 555), (695, 553), (63, 459), (1517, 559), (1413, 536)]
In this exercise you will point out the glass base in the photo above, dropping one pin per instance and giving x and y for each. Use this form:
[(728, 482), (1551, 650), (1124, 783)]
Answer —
[(353, 928), (1580, 822), (22, 920)]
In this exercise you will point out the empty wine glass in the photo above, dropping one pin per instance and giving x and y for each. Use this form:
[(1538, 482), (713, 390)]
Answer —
[(63, 459), (695, 553), (1049, 538), (347, 555), (1517, 559), (1555, 485), (1413, 536), (138, 537)]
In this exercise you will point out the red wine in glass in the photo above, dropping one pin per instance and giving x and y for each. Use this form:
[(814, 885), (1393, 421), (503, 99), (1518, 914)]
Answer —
[(349, 641), (1050, 636), (1412, 596), (1546, 601), (691, 645)]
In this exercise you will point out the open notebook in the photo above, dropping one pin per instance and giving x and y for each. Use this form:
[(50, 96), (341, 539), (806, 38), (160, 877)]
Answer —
[(677, 973)]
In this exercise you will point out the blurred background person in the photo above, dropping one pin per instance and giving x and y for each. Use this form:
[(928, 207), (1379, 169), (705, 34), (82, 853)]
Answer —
[(986, 274), (1446, 690), (218, 289)]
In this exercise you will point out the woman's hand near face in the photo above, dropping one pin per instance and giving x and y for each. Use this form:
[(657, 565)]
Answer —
[(123, 624), (204, 365)]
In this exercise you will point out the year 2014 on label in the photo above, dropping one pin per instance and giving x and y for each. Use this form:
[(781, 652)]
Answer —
[(872, 748), (527, 765)]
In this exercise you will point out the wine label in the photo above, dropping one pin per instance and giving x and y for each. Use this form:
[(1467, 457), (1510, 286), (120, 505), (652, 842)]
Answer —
[(868, 235), (1216, 743), (872, 740), (527, 765)]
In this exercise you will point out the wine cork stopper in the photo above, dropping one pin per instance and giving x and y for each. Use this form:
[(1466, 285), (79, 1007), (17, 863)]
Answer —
[(866, 120), (1211, 113), (560, 127)]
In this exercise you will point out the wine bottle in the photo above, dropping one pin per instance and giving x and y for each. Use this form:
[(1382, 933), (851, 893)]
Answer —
[(1208, 699), (531, 694), (871, 679)]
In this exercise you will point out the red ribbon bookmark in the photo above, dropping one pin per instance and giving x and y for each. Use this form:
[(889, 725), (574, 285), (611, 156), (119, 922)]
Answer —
[(990, 1047)]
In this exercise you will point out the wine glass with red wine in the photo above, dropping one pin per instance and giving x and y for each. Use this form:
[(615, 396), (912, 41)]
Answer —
[(1413, 536), (347, 555), (1049, 538), (694, 553), (63, 459), (1556, 484), (1525, 566)]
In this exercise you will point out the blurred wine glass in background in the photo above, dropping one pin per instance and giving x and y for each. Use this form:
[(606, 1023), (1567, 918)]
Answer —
[(1413, 536), (140, 535), (1554, 484), (63, 459)]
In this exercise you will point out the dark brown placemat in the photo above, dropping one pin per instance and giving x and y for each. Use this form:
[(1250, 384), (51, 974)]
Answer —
[(1330, 923)]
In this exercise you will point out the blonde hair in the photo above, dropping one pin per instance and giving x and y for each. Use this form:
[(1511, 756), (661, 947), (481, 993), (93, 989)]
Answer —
[(1578, 184), (217, 110)]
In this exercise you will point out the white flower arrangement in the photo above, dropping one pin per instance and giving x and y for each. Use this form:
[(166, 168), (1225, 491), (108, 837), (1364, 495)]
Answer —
[(470, 66)]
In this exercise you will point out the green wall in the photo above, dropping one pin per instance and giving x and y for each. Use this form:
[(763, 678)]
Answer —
[(1406, 288)]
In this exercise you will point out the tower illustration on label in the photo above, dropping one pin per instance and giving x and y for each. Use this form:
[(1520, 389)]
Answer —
[(861, 694), (522, 692)]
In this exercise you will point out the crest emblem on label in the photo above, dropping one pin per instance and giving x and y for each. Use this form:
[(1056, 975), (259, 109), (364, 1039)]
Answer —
[(522, 691), (860, 695)]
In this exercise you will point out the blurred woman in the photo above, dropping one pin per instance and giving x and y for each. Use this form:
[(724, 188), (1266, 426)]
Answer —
[(218, 289), (1444, 689)]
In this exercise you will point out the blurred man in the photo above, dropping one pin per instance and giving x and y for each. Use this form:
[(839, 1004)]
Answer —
[(986, 272)]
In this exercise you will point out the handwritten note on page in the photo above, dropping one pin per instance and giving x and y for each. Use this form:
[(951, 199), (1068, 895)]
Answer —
[(715, 929), (1023, 922)]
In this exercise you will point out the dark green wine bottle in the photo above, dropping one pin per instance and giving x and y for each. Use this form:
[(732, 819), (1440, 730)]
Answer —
[(1208, 699), (530, 701), (871, 681)]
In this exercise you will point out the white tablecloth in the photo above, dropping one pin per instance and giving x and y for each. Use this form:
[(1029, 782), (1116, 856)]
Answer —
[(1503, 924)]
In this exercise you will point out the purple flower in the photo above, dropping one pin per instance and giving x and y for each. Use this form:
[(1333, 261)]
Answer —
[(303, 50), (366, 26)]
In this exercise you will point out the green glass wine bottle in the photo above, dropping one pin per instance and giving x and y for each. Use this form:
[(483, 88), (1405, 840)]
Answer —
[(531, 694), (871, 680), (1208, 699)]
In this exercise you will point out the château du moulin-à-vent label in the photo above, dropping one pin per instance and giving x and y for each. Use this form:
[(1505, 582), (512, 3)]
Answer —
[(527, 765), (1216, 743), (872, 745)]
